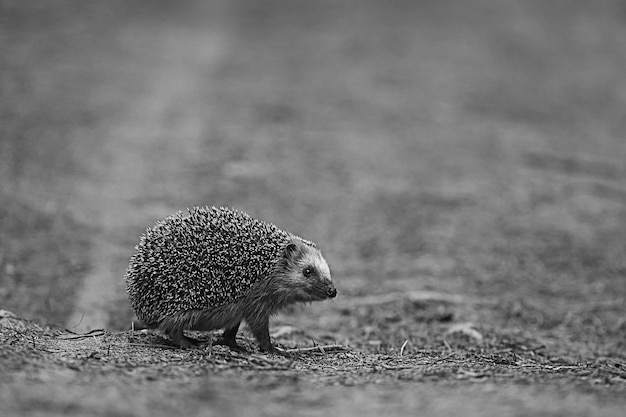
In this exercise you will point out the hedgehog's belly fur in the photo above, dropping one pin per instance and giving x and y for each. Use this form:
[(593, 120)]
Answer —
[(222, 317)]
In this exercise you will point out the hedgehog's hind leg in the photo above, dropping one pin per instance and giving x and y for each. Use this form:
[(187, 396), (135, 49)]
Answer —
[(185, 342), (175, 325)]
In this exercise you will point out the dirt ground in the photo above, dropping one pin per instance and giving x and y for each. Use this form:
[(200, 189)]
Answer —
[(462, 165)]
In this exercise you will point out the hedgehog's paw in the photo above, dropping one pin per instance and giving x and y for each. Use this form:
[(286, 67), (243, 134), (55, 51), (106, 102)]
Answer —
[(187, 342), (231, 343)]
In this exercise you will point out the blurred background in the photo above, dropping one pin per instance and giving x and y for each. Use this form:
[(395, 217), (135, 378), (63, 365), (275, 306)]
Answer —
[(474, 148)]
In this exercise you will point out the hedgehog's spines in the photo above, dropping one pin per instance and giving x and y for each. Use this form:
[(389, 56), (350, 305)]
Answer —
[(215, 254)]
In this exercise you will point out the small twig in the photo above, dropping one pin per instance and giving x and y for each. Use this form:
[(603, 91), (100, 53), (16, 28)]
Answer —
[(153, 345), (94, 333), (210, 344), (448, 356), (403, 346), (396, 368), (79, 321), (318, 348)]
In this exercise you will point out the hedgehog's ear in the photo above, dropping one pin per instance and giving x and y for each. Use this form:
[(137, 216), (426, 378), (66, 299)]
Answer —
[(291, 249)]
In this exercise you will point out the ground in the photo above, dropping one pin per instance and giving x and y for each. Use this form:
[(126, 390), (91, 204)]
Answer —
[(461, 165)]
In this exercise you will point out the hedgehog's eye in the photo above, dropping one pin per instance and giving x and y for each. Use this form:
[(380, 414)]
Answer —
[(307, 272)]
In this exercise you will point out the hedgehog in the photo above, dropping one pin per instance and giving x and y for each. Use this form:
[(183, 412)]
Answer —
[(212, 268)]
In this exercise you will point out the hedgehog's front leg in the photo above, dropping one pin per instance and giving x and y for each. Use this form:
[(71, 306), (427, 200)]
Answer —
[(261, 331), (229, 339)]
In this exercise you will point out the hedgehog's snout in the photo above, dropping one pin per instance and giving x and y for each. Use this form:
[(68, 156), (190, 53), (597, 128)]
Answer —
[(331, 291)]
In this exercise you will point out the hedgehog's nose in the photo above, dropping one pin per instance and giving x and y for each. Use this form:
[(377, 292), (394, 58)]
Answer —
[(331, 291)]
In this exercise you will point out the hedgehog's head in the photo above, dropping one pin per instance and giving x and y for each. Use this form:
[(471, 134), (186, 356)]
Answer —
[(306, 275)]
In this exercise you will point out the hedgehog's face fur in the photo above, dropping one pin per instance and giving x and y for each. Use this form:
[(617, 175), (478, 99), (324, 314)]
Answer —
[(305, 275)]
